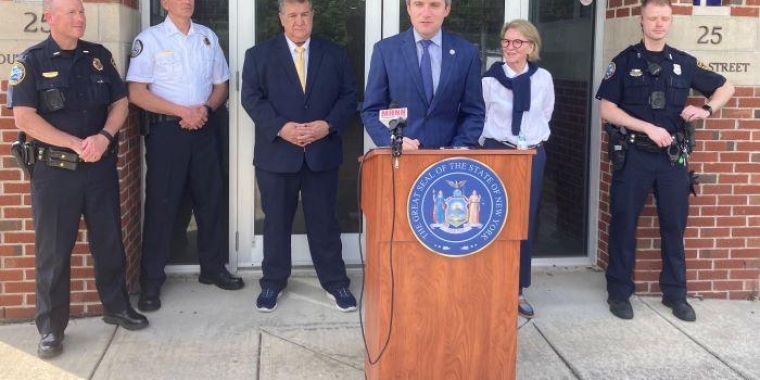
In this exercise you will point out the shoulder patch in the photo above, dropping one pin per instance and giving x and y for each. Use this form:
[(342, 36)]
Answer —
[(137, 48), (703, 66), (18, 73), (610, 70)]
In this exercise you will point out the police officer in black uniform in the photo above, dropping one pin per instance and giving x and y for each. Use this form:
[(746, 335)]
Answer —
[(67, 94), (644, 96)]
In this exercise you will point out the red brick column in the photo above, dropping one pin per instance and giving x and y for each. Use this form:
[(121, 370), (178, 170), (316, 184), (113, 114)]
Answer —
[(723, 235)]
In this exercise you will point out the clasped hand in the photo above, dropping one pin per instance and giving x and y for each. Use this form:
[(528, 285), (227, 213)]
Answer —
[(303, 134), (193, 117)]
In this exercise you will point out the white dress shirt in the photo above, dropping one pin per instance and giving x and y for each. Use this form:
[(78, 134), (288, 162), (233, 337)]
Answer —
[(292, 47), (181, 69), (499, 99), (436, 55)]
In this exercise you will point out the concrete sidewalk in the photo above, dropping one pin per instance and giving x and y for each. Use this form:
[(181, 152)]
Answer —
[(206, 333)]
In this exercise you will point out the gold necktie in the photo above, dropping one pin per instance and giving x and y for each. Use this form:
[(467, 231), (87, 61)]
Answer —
[(301, 66)]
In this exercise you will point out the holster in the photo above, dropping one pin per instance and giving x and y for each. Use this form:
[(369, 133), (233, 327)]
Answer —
[(616, 146), (689, 134), (23, 152)]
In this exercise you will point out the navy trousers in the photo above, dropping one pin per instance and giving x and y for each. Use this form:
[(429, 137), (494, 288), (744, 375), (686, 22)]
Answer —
[(538, 165), (177, 159), (642, 172), (60, 198), (279, 201)]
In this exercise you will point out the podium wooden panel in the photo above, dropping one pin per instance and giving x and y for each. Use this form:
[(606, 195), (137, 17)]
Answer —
[(453, 318)]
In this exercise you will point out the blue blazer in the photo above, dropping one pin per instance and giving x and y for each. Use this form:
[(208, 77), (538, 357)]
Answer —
[(272, 96), (456, 114)]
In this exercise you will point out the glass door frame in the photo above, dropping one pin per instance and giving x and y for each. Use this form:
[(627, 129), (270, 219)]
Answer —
[(246, 248)]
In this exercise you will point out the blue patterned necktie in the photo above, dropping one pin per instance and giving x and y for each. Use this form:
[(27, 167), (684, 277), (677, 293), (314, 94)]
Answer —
[(426, 70)]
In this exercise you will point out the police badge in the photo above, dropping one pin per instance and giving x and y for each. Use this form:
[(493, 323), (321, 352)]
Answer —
[(97, 64), (610, 70), (137, 48), (18, 73)]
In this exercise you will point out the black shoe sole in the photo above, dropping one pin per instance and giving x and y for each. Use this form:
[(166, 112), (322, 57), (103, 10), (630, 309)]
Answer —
[(526, 316), (619, 313), (50, 354), (681, 317), (118, 322), (148, 308), (207, 281)]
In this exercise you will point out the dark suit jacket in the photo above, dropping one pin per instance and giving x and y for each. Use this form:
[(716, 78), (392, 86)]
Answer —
[(272, 96), (457, 112)]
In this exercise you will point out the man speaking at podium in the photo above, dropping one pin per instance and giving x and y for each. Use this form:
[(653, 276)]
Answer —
[(436, 75)]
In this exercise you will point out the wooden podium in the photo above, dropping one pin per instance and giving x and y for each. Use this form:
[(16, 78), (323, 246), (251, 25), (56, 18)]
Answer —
[(451, 318)]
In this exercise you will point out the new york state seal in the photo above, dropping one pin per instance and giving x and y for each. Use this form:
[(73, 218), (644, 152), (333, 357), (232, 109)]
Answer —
[(457, 207)]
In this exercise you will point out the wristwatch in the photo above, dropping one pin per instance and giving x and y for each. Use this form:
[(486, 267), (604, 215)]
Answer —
[(707, 108)]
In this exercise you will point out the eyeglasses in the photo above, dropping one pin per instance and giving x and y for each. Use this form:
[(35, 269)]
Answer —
[(515, 43)]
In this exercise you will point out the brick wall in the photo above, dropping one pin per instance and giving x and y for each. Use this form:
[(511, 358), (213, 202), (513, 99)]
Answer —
[(134, 4), (723, 235), (627, 8)]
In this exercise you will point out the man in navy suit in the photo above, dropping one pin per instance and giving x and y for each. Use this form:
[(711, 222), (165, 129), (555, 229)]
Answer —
[(300, 93), (436, 75)]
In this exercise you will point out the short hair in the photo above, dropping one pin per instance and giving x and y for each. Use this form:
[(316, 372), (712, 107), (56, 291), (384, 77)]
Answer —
[(448, 2), (666, 3), (47, 5), (281, 3), (530, 32)]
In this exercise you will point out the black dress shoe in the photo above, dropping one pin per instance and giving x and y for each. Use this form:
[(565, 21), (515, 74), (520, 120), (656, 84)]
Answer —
[(150, 300), (681, 309), (621, 308), (128, 319), (524, 308), (221, 279), (51, 344)]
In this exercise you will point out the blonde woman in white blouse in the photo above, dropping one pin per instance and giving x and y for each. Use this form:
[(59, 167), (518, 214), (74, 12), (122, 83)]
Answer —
[(519, 99)]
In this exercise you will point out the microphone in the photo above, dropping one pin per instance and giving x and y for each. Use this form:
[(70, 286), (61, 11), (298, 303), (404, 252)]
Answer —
[(394, 116), (395, 119)]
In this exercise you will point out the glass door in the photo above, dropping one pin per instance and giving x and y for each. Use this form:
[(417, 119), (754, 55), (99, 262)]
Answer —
[(567, 32), (357, 25)]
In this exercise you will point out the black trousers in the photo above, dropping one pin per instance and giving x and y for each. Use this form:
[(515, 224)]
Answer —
[(177, 157), (642, 172), (538, 166), (279, 201), (59, 199)]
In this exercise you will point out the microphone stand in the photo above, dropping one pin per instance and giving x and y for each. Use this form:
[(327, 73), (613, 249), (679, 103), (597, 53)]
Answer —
[(397, 139)]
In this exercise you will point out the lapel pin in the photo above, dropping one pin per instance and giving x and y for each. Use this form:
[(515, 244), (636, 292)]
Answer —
[(452, 52)]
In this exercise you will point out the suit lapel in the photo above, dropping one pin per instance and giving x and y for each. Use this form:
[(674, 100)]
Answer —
[(315, 60), (448, 65), (409, 51), (288, 65)]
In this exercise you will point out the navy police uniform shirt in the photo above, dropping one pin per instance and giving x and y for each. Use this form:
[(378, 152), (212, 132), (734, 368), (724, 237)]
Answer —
[(86, 77), (631, 78)]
